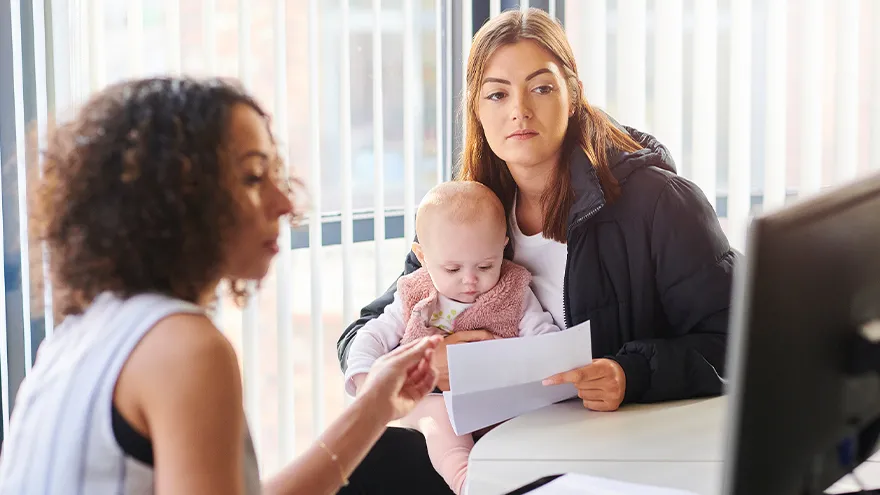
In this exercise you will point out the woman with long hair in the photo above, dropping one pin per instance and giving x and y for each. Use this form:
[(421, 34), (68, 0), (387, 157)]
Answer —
[(596, 211)]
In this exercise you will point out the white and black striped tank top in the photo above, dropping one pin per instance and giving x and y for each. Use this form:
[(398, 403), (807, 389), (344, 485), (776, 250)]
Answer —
[(61, 437)]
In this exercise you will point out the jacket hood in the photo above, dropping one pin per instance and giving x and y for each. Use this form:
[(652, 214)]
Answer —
[(652, 154), (589, 196)]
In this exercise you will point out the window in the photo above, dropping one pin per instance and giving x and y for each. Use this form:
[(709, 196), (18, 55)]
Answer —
[(758, 104)]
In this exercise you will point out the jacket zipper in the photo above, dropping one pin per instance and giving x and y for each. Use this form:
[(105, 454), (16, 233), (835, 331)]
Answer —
[(571, 227)]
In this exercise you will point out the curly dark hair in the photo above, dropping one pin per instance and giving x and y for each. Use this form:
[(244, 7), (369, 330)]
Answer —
[(136, 195)]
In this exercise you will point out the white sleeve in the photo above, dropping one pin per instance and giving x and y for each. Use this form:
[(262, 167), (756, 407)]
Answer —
[(376, 338), (535, 320)]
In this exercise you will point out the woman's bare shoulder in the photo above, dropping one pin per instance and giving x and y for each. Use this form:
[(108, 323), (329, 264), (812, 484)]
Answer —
[(182, 356), (185, 342)]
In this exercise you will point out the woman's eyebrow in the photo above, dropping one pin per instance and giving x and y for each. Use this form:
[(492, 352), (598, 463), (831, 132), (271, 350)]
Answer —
[(253, 154), (538, 72)]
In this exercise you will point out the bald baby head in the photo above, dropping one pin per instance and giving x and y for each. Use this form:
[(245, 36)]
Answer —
[(461, 203), (462, 231)]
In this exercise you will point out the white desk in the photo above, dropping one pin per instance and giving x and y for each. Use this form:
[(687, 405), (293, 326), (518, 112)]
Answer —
[(676, 444)]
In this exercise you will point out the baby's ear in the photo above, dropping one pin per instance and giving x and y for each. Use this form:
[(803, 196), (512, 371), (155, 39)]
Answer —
[(417, 250)]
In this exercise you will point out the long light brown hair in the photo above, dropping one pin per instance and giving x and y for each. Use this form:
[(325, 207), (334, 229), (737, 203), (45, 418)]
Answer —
[(588, 128)]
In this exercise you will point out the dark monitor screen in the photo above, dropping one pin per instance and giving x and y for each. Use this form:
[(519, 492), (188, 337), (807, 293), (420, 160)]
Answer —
[(810, 281)]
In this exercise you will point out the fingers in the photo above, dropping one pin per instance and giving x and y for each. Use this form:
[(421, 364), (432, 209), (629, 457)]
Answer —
[(410, 354), (553, 380), (419, 390), (589, 373), (600, 406), (424, 367), (424, 342), (420, 370), (607, 385), (605, 395), (417, 372), (422, 376), (595, 371), (573, 376), (428, 356), (594, 395), (598, 384), (427, 383)]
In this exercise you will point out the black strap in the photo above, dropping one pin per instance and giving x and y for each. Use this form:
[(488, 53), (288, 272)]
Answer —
[(130, 440)]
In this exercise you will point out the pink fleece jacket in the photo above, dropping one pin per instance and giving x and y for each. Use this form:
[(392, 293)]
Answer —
[(499, 310)]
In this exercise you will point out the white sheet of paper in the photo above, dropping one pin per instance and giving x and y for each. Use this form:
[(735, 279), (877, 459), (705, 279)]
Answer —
[(581, 484), (492, 381)]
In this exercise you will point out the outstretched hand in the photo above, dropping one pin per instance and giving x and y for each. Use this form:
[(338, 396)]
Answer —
[(400, 379)]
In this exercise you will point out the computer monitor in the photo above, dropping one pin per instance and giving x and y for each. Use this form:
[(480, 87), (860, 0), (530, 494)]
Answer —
[(802, 411)]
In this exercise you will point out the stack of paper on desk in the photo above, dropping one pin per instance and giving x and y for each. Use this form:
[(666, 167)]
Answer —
[(492, 381), (579, 484)]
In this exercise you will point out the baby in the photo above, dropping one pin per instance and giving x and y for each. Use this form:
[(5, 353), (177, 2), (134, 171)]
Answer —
[(464, 284)]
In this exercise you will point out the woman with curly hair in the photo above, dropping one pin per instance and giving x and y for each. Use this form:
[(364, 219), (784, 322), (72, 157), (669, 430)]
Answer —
[(155, 193)]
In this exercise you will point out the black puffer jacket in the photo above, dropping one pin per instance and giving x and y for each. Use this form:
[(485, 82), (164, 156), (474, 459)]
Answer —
[(652, 272)]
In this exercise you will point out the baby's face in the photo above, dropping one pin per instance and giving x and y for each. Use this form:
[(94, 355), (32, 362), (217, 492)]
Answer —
[(464, 260)]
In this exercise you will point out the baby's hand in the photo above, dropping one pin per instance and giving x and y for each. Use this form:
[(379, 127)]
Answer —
[(358, 381)]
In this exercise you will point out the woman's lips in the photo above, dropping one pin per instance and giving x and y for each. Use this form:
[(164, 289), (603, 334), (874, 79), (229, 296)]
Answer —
[(522, 135)]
